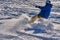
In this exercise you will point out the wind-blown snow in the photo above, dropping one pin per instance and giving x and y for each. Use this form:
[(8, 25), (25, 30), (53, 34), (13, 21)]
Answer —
[(14, 16)]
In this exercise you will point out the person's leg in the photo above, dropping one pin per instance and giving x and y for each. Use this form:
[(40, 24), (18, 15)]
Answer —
[(35, 17), (39, 16)]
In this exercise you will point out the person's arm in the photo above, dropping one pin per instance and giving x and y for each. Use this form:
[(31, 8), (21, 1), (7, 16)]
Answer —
[(51, 5), (38, 6)]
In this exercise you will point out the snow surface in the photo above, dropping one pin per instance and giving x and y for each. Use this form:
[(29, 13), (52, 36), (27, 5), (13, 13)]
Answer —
[(14, 24)]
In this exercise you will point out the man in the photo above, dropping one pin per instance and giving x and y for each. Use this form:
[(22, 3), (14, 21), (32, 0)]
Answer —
[(44, 13)]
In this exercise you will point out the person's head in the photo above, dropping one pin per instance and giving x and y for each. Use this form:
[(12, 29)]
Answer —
[(49, 2)]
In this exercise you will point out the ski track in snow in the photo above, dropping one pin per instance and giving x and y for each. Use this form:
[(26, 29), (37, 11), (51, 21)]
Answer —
[(14, 24)]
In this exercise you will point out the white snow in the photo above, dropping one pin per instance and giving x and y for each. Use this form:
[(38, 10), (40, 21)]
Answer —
[(14, 16)]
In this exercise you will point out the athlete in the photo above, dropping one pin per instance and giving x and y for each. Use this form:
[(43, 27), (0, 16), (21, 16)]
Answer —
[(44, 13)]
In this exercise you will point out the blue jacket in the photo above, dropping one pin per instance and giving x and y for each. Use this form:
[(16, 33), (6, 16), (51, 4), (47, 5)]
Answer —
[(45, 10)]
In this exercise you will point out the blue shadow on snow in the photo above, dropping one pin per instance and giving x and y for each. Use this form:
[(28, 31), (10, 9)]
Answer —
[(36, 30)]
